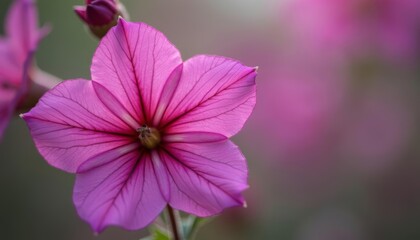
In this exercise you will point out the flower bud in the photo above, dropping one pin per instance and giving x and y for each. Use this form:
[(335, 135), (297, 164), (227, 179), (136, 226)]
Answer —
[(100, 15)]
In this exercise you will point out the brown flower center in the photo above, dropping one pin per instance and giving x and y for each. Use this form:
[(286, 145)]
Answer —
[(149, 137)]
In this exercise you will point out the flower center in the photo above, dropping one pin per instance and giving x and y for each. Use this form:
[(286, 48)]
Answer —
[(149, 137)]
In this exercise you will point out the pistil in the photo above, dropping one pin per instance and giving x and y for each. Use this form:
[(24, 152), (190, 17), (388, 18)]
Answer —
[(149, 137)]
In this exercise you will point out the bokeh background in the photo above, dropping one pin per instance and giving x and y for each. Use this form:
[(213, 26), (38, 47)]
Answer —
[(332, 146)]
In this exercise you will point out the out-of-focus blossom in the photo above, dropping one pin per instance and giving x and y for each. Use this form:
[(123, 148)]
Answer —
[(298, 111), (148, 130), (295, 125), (100, 15), (382, 28), (22, 37)]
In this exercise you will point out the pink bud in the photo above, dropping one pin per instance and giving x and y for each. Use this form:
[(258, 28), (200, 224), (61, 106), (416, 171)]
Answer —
[(99, 15)]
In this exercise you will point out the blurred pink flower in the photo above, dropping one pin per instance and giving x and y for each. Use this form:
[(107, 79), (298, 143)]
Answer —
[(22, 37), (295, 124), (148, 130), (298, 110), (387, 27)]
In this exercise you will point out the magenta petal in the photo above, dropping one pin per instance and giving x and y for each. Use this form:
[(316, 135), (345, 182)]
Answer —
[(161, 174), (10, 70), (7, 106), (11, 92), (193, 137), (215, 94), (112, 103), (22, 28), (134, 61), (70, 124), (108, 156), (205, 178), (122, 193), (168, 92)]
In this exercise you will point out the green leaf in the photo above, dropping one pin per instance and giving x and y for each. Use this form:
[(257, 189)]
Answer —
[(190, 225), (147, 238), (158, 234)]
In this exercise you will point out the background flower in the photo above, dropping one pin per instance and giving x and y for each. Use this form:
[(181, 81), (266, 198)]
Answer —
[(16, 51), (386, 29)]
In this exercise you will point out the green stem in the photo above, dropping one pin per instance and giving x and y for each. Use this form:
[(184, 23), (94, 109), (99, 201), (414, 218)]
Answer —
[(175, 223), (194, 227)]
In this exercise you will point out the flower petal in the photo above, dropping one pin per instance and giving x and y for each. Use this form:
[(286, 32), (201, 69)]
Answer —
[(134, 60), (122, 193), (22, 28), (194, 137), (70, 124), (11, 93), (214, 94), (205, 178), (7, 106), (10, 70), (112, 103), (161, 174)]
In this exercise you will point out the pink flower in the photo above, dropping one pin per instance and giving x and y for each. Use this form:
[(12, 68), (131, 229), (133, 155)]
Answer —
[(148, 130), (386, 28), (22, 37), (302, 97)]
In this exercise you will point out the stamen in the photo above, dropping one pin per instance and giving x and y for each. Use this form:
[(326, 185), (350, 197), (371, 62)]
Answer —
[(149, 137)]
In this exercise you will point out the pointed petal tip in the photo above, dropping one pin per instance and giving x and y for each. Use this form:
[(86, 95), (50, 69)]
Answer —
[(24, 116), (121, 23), (97, 229), (256, 69), (121, 20)]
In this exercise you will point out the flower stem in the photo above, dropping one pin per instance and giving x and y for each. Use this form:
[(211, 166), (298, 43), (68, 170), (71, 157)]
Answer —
[(45, 80), (37, 82), (174, 218)]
